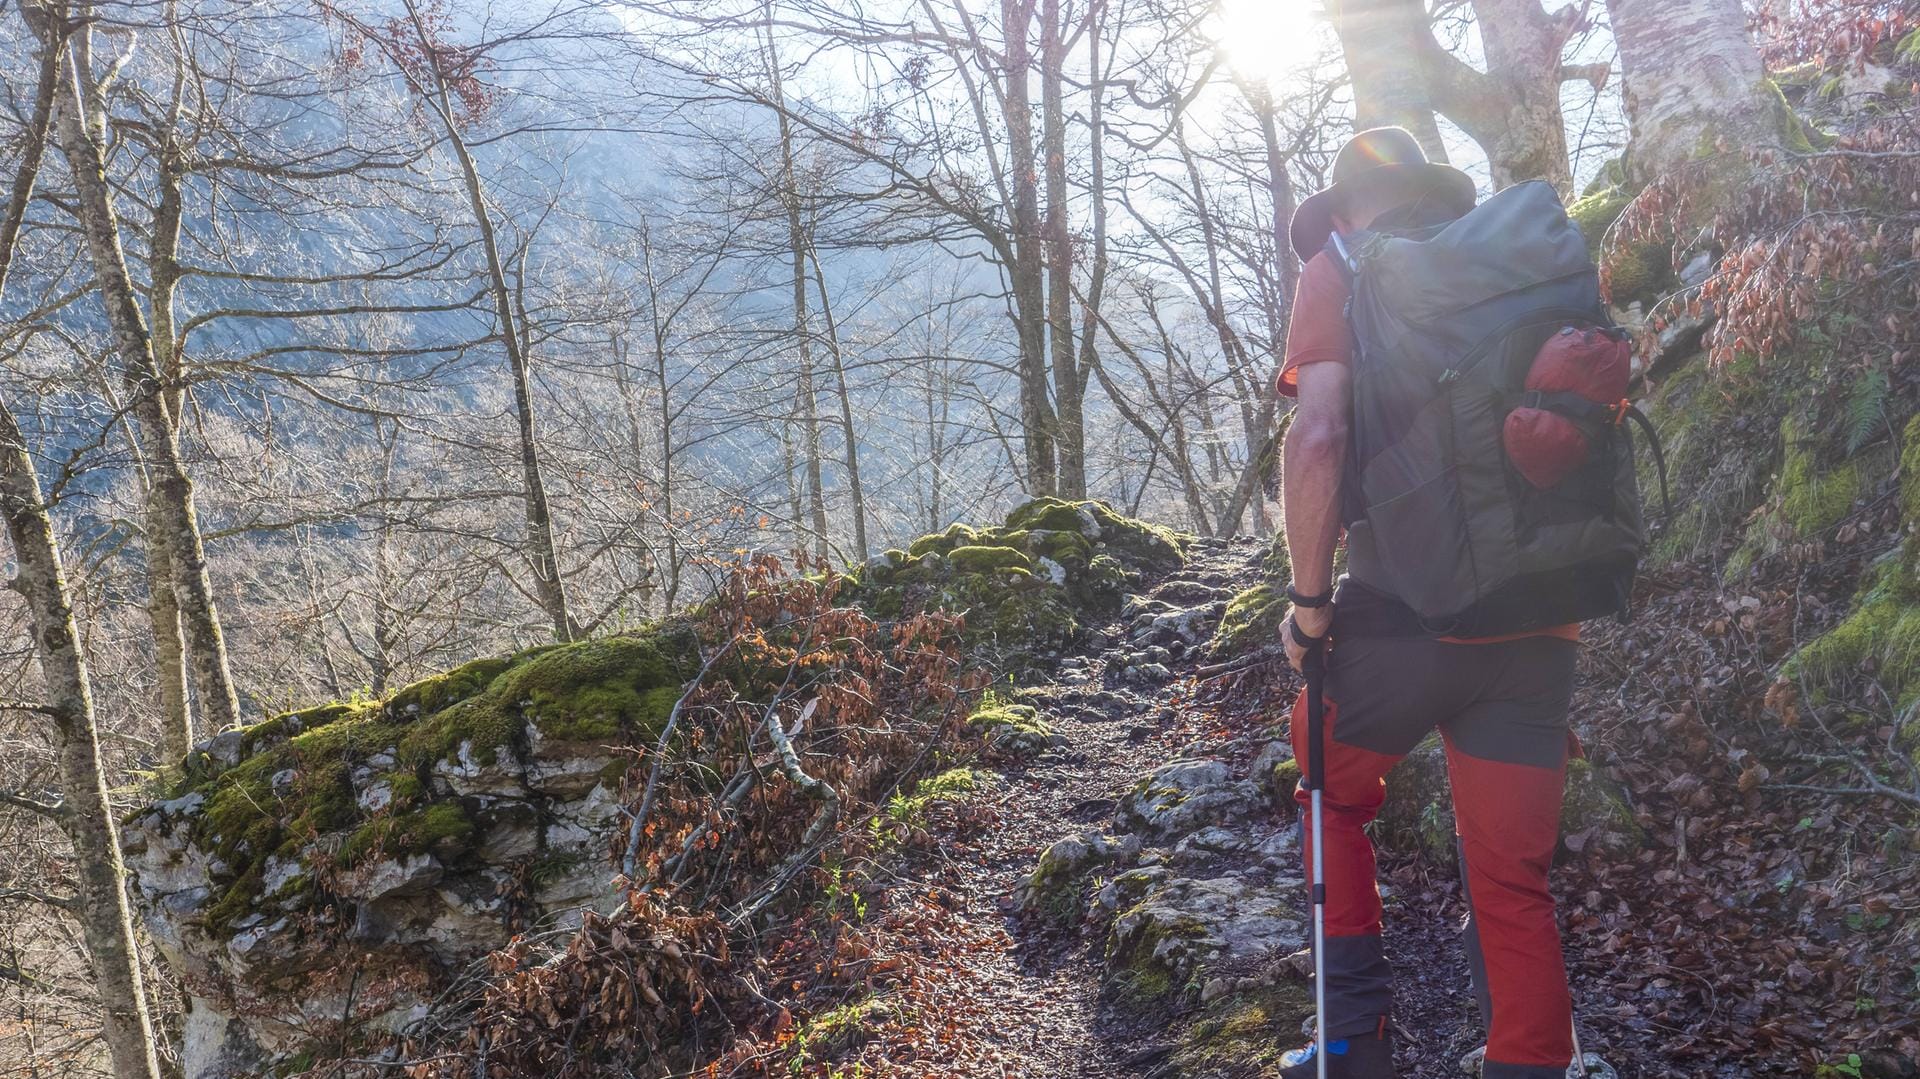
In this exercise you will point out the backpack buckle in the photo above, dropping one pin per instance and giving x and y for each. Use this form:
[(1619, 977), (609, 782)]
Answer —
[(1619, 411)]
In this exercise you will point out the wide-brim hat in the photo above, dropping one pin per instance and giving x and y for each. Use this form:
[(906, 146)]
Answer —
[(1378, 159)]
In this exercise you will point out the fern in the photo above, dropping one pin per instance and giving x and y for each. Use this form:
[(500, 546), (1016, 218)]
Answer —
[(1909, 47), (1866, 407)]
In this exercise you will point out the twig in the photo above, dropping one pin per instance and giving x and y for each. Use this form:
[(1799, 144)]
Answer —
[(659, 759)]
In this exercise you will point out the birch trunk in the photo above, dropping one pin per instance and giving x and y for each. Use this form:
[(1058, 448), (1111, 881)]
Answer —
[(1694, 80), (88, 818), (170, 507)]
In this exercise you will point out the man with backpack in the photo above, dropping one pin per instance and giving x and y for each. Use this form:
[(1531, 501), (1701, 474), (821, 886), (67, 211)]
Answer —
[(1459, 422)]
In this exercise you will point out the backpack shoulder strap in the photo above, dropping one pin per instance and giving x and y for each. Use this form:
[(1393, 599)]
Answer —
[(1341, 254)]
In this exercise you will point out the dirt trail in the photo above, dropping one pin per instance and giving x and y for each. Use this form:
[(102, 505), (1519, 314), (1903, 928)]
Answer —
[(1046, 985), (1114, 734)]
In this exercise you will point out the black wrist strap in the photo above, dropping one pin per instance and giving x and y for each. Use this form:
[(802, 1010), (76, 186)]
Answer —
[(1300, 636), (1310, 602)]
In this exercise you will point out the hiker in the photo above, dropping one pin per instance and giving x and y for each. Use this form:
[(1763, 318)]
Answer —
[(1460, 609)]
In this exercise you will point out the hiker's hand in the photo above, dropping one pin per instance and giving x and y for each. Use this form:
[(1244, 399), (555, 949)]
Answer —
[(1313, 621)]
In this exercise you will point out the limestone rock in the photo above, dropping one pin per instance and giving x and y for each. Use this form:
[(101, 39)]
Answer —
[(1185, 796), (1163, 944)]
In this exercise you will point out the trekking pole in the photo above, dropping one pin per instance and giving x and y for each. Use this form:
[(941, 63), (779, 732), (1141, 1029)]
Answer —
[(1315, 668)]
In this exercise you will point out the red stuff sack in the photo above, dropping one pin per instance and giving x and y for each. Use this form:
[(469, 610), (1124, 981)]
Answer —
[(1544, 443)]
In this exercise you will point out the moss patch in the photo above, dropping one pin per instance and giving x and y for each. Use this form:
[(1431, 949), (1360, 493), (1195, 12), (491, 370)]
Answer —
[(1010, 727), (1025, 588), (294, 796), (1252, 620), (1633, 271), (1244, 1034)]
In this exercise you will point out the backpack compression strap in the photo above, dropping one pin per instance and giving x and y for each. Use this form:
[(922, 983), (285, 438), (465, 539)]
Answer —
[(1580, 408)]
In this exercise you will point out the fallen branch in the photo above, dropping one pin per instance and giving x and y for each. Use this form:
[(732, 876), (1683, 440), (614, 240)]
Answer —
[(659, 759)]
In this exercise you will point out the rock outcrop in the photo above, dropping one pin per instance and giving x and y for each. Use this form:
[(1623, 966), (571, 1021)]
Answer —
[(338, 867)]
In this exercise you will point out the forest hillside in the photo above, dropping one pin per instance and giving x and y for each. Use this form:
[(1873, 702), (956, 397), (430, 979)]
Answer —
[(645, 538)]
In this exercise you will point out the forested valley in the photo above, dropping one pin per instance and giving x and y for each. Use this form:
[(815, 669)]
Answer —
[(731, 538)]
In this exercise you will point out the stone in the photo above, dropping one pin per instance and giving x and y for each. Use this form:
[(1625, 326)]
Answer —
[(390, 876), (1185, 796), (1053, 887), (1181, 927)]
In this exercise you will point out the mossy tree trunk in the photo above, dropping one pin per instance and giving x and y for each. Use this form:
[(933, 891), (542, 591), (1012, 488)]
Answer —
[(1694, 80), (173, 521)]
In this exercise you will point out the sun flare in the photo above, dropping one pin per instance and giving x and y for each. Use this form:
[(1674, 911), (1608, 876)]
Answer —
[(1269, 39)]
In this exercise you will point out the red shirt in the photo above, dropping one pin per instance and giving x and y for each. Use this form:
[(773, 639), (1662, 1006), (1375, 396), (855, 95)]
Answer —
[(1318, 333)]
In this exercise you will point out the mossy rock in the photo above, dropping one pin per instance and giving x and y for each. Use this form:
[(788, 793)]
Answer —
[(1808, 498), (1243, 1034), (1252, 621), (294, 798), (957, 535), (1634, 271), (983, 558), (1881, 636), (1698, 412), (1417, 815), (1024, 588), (1010, 727)]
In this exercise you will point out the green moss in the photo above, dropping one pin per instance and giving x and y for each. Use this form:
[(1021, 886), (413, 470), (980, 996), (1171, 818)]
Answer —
[(1276, 566), (1244, 1031), (443, 829), (952, 785), (1252, 621), (1910, 470), (989, 559), (1812, 500), (1285, 778), (957, 535), (435, 692), (1010, 727), (1136, 973), (1806, 499), (1881, 636)]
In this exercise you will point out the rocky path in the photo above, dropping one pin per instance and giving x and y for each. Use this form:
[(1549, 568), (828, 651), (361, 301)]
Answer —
[(1142, 876), (1119, 714)]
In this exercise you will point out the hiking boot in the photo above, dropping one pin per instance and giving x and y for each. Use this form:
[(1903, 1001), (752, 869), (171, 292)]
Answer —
[(1367, 1057), (1475, 1064)]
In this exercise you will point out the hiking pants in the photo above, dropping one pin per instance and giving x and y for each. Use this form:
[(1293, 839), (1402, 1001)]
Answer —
[(1502, 710)]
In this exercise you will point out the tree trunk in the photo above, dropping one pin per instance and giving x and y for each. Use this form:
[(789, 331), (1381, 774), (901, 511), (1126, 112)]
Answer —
[(1069, 423), (88, 818), (170, 498), (163, 284), (549, 587), (848, 435), (1694, 80), (1029, 303), (1381, 39), (802, 333)]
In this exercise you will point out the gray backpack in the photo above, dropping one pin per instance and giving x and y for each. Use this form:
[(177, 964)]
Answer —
[(1447, 320)]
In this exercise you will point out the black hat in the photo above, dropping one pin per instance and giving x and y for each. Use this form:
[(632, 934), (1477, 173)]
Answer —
[(1379, 156)]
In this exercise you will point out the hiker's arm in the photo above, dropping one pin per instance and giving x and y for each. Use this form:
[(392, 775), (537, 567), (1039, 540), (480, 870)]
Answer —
[(1311, 464)]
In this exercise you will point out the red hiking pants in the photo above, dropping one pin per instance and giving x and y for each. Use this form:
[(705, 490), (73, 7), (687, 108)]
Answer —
[(1502, 710)]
